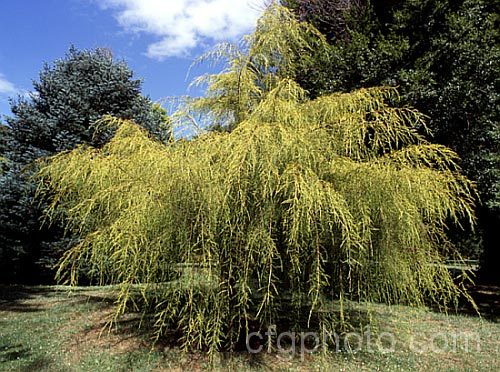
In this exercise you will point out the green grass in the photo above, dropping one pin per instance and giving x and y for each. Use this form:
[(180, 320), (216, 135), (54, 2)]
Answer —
[(52, 329)]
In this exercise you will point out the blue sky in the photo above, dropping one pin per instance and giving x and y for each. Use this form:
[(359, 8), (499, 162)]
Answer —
[(157, 38)]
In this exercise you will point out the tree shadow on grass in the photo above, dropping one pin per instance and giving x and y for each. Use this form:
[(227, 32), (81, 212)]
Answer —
[(24, 299), (131, 333), (13, 352), (134, 331), (39, 364), (487, 298), (10, 352)]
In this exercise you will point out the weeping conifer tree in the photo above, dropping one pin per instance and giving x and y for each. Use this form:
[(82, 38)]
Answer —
[(300, 208)]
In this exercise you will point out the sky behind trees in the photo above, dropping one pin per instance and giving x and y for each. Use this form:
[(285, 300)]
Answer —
[(157, 38)]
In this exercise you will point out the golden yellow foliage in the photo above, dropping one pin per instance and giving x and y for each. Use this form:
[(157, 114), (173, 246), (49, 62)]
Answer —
[(304, 205)]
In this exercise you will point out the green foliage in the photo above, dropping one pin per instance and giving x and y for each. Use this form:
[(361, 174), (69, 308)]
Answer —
[(333, 19), (70, 95), (4, 132), (444, 56), (253, 68), (304, 206), (288, 210)]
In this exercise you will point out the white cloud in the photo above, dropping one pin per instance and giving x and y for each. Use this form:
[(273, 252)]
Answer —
[(182, 25), (6, 87)]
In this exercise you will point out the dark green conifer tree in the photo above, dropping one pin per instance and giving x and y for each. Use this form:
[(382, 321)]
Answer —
[(71, 95)]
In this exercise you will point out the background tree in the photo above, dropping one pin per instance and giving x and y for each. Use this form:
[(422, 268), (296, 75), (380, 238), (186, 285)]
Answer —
[(4, 131), (445, 58), (300, 207), (61, 112), (332, 18)]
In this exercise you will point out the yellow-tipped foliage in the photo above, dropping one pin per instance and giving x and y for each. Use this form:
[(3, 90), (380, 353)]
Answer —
[(304, 205), (318, 202)]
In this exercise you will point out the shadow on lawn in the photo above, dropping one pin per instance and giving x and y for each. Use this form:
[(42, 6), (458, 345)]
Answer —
[(13, 352), (133, 331), (487, 298), (138, 329), (24, 299)]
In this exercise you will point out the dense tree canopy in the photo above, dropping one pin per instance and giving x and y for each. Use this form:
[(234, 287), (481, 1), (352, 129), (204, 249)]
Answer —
[(333, 19), (300, 207), (445, 58), (60, 113)]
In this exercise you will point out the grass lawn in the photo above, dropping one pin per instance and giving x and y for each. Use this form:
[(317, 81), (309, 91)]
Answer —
[(52, 329)]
